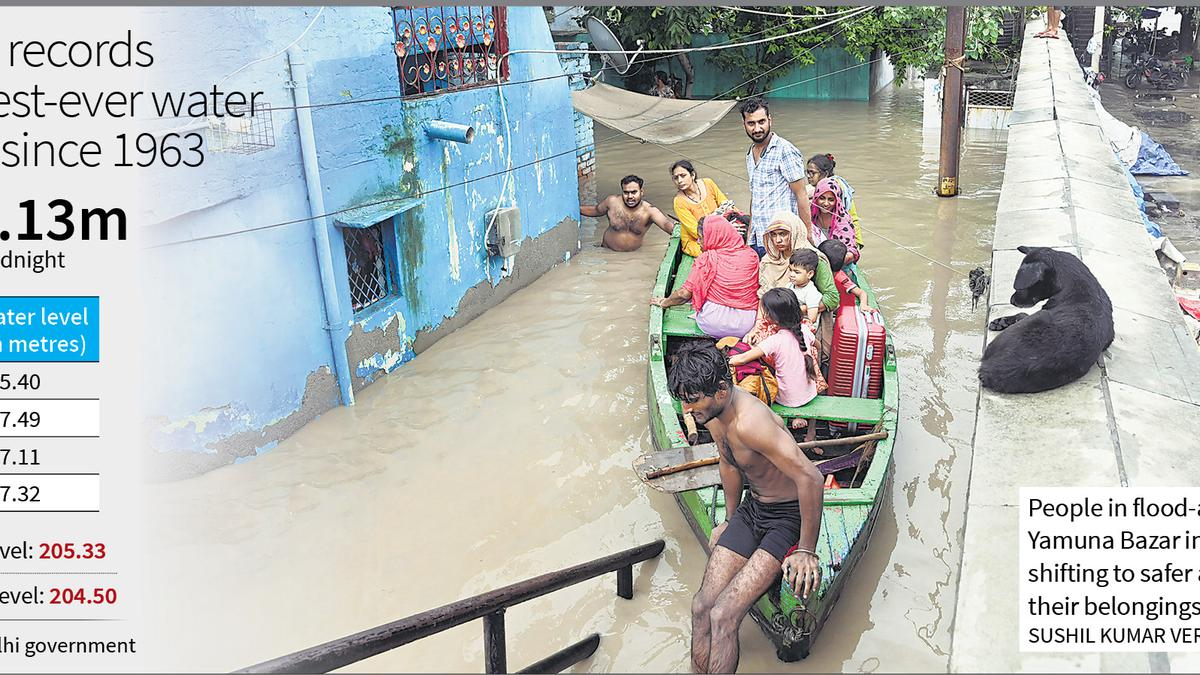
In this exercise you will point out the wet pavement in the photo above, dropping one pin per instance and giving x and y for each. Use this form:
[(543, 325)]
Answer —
[(1173, 119), (1064, 188)]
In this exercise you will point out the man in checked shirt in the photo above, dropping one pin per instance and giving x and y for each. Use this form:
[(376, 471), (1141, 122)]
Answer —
[(776, 170)]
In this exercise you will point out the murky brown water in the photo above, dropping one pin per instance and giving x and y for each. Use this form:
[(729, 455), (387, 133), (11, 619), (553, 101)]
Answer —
[(505, 450)]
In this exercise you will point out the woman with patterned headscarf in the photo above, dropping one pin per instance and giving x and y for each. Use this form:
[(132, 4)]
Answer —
[(822, 166), (831, 220)]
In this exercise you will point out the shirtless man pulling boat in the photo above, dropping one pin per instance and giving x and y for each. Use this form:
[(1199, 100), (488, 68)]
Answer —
[(783, 507), (628, 216)]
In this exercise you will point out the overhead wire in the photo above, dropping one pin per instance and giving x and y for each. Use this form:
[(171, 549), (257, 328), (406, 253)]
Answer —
[(201, 123), (281, 51), (509, 169), (504, 182), (739, 177), (727, 44), (748, 10)]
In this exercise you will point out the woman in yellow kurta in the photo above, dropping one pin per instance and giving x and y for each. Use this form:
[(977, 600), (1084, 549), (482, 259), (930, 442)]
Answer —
[(696, 199)]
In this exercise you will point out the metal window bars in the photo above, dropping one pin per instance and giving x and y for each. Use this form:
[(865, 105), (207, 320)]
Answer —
[(242, 130), (449, 47), (990, 98), (367, 266)]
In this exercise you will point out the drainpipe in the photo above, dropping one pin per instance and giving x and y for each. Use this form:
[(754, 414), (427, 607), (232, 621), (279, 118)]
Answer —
[(336, 324), (450, 131)]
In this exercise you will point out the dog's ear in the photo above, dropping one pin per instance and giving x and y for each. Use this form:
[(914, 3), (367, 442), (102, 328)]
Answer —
[(1030, 273), (1023, 249)]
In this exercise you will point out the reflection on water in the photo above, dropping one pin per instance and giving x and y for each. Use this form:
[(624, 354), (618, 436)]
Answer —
[(504, 451)]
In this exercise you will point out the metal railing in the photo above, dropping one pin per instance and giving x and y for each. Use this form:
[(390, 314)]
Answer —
[(487, 606)]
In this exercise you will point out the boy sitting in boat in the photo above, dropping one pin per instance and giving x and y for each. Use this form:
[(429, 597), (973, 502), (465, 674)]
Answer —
[(848, 291), (848, 294), (783, 507), (802, 269)]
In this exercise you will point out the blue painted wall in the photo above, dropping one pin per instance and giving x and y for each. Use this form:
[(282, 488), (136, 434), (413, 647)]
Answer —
[(235, 314)]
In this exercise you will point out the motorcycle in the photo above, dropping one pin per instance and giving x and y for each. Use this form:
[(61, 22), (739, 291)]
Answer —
[(1158, 73)]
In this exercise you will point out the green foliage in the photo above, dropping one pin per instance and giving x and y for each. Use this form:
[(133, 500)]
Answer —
[(911, 36), (769, 60), (657, 27), (915, 36)]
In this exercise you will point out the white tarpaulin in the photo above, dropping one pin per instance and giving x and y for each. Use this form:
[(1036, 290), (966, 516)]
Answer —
[(1126, 140), (650, 118)]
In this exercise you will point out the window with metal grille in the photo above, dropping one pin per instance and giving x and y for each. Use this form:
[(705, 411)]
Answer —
[(367, 265), (450, 47), (989, 98)]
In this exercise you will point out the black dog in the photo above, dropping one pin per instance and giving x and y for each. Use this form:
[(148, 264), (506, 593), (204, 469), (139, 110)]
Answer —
[(1060, 343)]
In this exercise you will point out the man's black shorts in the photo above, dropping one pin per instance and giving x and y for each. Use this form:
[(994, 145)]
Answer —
[(773, 527)]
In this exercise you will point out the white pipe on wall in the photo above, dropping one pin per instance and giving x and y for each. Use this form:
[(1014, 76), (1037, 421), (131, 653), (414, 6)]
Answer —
[(335, 322)]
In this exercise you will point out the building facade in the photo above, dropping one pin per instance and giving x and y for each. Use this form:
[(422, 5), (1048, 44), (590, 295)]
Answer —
[(325, 242)]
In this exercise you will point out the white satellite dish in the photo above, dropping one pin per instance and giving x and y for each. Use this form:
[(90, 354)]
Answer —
[(603, 40)]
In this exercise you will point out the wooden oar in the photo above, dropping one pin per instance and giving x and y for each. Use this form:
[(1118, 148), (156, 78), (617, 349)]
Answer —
[(689, 423), (709, 461)]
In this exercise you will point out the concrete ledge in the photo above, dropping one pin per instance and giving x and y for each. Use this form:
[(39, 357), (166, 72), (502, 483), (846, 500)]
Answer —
[(1134, 420)]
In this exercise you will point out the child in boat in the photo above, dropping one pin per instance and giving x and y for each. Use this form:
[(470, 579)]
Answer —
[(802, 268), (848, 291), (787, 352)]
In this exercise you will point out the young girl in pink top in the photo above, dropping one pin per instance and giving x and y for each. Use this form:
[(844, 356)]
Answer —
[(787, 352)]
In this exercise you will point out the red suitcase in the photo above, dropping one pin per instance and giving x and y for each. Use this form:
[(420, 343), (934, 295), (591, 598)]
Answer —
[(856, 357)]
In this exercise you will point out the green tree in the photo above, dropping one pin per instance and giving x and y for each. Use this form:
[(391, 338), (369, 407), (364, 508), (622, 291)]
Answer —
[(768, 60), (911, 36), (660, 28), (915, 36)]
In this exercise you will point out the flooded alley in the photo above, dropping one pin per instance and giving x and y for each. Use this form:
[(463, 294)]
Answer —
[(505, 450)]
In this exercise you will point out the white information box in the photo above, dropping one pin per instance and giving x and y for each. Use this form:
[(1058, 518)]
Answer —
[(49, 492), (49, 418)]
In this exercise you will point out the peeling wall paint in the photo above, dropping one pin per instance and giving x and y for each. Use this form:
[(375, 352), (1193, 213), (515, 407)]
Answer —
[(247, 310), (455, 270), (220, 435)]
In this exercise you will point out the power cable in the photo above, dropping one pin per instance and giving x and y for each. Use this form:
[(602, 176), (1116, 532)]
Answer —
[(281, 51), (747, 10), (720, 45), (738, 177), (443, 188), (504, 183)]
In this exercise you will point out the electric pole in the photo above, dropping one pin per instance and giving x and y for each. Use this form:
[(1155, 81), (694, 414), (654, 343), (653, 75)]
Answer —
[(952, 101)]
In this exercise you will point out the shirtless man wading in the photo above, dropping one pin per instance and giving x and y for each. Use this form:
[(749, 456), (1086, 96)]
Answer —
[(782, 510), (628, 216)]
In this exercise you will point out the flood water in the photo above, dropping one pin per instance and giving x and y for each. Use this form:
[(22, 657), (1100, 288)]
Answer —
[(505, 451)]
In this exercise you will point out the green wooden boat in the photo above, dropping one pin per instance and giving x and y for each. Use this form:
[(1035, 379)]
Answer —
[(849, 512)]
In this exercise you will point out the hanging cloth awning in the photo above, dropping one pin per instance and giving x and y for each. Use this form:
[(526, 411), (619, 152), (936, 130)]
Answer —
[(649, 118)]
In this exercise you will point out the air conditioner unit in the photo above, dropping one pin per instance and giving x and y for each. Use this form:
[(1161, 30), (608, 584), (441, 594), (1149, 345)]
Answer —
[(504, 237)]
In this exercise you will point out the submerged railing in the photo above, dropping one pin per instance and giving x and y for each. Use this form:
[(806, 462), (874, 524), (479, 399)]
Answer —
[(487, 606)]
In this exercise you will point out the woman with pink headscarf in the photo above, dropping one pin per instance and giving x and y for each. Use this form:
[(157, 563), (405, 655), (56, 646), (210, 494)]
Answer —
[(723, 283), (831, 220)]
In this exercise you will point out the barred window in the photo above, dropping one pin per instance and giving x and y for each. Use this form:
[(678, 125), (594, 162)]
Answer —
[(450, 47), (371, 276)]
